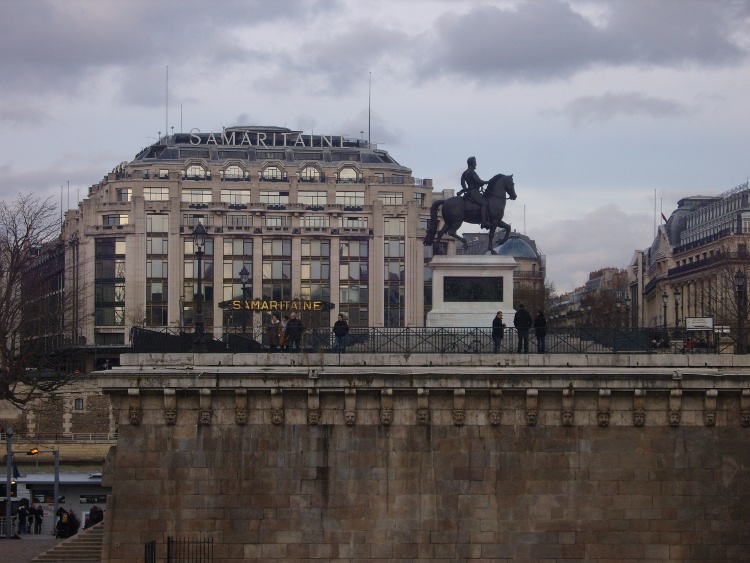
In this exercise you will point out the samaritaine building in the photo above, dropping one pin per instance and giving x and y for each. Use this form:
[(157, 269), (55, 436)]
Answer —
[(310, 217)]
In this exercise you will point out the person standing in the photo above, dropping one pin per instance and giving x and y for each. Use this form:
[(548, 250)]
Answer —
[(522, 321), (283, 340), (38, 518), (340, 330), (540, 330), (274, 328), (498, 329), (294, 330)]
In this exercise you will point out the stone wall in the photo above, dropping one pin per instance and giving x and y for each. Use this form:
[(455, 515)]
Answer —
[(366, 463)]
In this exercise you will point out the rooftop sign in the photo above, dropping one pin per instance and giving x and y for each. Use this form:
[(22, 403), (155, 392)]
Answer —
[(266, 139)]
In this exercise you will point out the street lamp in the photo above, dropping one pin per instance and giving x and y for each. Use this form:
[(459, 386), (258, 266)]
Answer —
[(244, 278), (665, 298), (627, 311), (199, 241), (35, 451), (739, 284), (676, 309)]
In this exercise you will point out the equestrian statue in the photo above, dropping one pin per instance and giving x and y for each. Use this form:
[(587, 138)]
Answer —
[(484, 209)]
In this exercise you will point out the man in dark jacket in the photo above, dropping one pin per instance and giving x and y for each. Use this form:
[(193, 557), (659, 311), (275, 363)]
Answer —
[(340, 330), (294, 330), (522, 321)]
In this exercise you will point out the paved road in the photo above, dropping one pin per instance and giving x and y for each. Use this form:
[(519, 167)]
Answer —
[(25, 549)]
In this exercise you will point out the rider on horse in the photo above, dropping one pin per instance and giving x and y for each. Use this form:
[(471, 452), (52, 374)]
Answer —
[(470, 184)]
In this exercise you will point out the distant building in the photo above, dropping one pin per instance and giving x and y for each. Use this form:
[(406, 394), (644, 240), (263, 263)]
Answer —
[(691, 268), (310, 217), (602, 301)]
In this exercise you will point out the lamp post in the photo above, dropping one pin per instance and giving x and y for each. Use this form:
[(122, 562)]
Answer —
[(676, 310), (199, 241), (35, 451), (665, 298), (739, 283), (244, 278), (627, 311)]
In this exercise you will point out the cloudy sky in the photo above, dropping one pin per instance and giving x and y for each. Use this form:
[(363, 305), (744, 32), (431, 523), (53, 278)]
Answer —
[(605, 111)]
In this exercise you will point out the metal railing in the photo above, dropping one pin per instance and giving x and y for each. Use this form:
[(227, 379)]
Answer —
[(423, 340)]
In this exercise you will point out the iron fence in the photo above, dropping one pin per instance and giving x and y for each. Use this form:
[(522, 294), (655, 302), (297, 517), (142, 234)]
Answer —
[(181, 550), (423, 340), (190, 550)]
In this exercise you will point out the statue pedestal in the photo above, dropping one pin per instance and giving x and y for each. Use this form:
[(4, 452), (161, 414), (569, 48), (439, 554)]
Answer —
[(468, 291)]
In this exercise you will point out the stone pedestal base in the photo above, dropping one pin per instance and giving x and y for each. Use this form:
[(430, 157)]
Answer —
[(473, 310)]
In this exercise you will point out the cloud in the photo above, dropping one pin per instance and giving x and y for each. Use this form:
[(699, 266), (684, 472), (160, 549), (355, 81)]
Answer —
[(589, 109), (550, 40), (604, 237)]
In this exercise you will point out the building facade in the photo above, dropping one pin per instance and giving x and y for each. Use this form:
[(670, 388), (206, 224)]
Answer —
[(696, 264), (309, 217)]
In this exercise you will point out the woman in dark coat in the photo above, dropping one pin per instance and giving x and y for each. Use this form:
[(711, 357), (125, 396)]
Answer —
[(540, 330), (274, 327)]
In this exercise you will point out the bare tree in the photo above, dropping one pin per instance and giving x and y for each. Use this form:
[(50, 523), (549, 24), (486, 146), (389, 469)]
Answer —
[(27, 224)]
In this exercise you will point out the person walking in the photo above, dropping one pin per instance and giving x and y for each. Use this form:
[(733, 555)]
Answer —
[(340, 330), (540, 330), (522, 321), (498, 329), (294, 330)]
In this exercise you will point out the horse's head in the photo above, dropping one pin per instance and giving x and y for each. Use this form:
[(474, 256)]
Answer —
[(501, 184)]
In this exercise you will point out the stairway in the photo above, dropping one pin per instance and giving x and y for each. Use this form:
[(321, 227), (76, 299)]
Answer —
[(85, 546)]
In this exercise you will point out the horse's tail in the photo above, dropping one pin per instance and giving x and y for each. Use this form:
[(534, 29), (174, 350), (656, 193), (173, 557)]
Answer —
[(433, 224)]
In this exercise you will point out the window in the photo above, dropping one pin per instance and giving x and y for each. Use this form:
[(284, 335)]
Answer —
[(78, 404), (157, 223), (272, 173), (156, 194), (233, 220), (274, 197), (315, 221), (312, 198), (238, 253), (124, 194), (348, 175), (277, 269), (163, 174), (350, 198), (118, 219), (196, 196), (390, 198), (277, 221), (233, 173), (354, 222), (310, 174), (195, 172), (353, 281), (235, 197), (419, 198), (315, 274)]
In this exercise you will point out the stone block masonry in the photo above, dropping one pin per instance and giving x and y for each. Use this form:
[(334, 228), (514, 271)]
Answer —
[(373, 463)]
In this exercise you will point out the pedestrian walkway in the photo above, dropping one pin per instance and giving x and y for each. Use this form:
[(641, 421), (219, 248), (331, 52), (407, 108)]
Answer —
[(23, 550)]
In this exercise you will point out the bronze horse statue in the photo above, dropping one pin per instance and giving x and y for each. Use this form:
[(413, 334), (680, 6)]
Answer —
[(457, 210)]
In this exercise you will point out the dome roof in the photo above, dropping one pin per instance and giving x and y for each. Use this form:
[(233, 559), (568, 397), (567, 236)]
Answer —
[(516, 247)]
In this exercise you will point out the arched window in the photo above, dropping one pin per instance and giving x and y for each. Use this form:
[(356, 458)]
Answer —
[(234, 173), (195, 172), (348, 175), (310, 174), (272, 173)]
